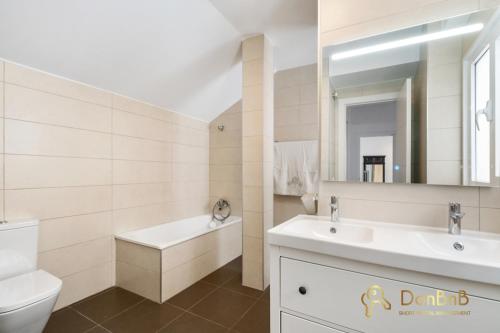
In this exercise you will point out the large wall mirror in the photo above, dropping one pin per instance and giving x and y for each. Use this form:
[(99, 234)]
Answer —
[(418, 105)]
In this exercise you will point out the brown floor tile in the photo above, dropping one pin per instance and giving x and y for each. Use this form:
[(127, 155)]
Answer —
[(192, 295), (236, 264), (98, 329), (107, 304), (235, 285), (256, 320), (145, 317), (220, 276), (189, 323), (223, 306), (67, 320)]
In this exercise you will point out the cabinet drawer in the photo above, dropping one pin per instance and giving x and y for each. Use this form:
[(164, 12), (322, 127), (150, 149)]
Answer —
[(292, 324), (334, 295)]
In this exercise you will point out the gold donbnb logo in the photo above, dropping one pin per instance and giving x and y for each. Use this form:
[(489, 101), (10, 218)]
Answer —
[(453, 302), (374, 296)]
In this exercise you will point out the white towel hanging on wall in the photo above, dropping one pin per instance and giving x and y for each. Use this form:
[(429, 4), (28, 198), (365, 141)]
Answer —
[(296, 167)]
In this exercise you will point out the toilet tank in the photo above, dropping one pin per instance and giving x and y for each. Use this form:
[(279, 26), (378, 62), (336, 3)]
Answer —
[(18, 247)]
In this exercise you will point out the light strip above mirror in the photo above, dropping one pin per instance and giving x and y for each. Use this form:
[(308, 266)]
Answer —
[(408, 41)]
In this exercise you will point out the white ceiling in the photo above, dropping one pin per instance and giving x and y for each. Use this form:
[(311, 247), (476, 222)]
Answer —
[(291, 25), (183, 55)]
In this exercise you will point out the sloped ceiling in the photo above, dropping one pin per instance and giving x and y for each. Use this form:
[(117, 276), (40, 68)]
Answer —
[(183, 55)]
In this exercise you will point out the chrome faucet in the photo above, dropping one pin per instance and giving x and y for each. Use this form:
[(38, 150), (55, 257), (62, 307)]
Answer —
[(455, 219), (334, 209)]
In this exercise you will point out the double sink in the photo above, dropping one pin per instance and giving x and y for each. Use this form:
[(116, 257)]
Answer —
[(473, 256)]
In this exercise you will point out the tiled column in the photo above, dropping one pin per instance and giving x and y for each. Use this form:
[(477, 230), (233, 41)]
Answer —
[(257, 154)]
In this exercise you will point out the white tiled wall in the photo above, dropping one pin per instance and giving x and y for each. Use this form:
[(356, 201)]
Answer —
[(417, 204), (89, 163)]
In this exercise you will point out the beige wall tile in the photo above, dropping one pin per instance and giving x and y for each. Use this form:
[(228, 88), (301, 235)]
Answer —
[(490, 220), (56, 202), (129, 148), (130, 124), (76, 258), (137, 255), (2, 65), (226, 190), (252, 149), (286, 207), (1, 98), (252, 74), (35, 171), (255, 274), (190, 136), (134, 195), (27, 77), (85, 283), (187, 251), (141, 108), (139, 281), (253, 198), (226, 173), (253, 225), (33, 105), (225, 139), (225, 156), (129, 172), (489, 197), (190, 172), (189, 154), (141, 217), (66, 231), (28, 138), (253, 174), (252, 98), (254, 124)]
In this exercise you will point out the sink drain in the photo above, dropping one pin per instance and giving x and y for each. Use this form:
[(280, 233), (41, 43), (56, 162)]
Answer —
[(458, 246), (333, 230)]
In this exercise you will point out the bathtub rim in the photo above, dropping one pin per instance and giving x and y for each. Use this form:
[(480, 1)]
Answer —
[(123, 236)]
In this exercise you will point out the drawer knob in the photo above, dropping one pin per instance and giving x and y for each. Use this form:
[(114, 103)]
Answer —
[(302, 290)]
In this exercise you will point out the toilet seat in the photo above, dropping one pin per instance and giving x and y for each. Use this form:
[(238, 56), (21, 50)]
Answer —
[(26, 289)]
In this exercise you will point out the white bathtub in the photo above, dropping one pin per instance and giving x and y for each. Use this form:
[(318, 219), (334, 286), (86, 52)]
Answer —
[(161, 261)]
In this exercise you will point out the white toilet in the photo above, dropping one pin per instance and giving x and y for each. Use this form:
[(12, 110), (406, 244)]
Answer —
[(27, 295)]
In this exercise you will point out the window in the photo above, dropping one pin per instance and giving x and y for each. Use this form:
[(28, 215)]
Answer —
[(481, 109), (480, 118)]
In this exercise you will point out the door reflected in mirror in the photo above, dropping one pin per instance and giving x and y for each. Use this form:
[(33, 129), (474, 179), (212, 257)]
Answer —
[(415, 105)]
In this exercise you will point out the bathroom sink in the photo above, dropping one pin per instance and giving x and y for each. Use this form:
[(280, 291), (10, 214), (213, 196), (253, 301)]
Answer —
[(339, 232), (471, 256)]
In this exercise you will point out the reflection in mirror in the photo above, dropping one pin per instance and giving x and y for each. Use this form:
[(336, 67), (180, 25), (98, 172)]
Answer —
[(415, 105)]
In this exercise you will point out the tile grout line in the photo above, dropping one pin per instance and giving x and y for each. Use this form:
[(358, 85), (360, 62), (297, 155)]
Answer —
[(244, 314)]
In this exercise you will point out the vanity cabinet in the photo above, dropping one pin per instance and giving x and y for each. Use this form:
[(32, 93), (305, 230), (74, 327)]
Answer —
[(293, 324), (312, 292)]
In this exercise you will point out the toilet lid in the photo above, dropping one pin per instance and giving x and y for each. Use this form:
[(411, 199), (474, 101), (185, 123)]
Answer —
[(22, 290)]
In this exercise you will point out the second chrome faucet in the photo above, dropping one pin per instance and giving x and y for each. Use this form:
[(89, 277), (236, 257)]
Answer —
[(334, 209)]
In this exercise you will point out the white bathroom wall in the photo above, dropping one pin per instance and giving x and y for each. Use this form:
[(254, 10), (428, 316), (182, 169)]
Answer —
[(341, 21), (88, 164)]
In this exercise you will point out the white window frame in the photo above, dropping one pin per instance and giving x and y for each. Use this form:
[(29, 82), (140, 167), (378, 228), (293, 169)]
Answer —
[(488, 39)]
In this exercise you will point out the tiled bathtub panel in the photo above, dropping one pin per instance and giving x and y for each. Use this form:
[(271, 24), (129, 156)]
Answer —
[(138, 280)]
